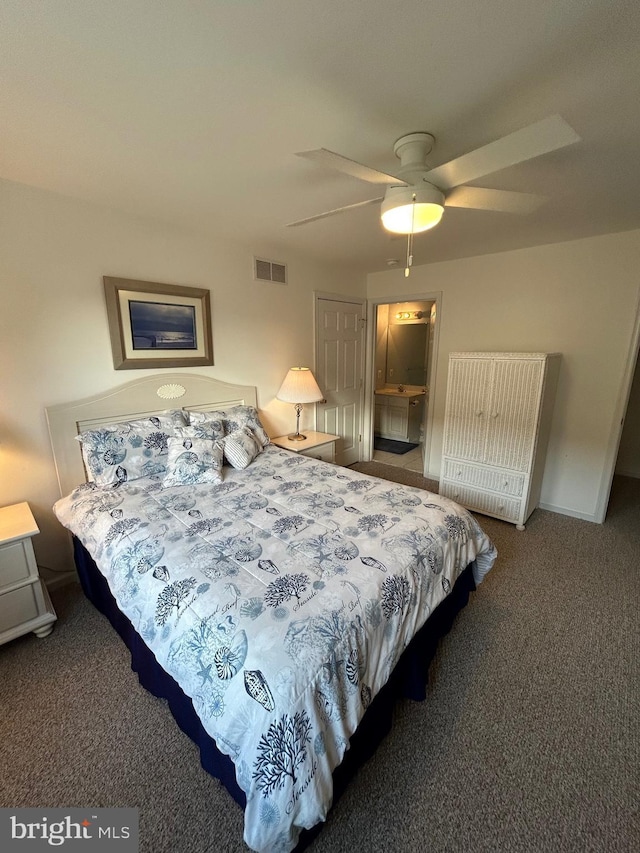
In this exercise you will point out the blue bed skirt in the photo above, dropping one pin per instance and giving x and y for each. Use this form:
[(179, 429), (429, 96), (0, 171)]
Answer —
[(408, 680)]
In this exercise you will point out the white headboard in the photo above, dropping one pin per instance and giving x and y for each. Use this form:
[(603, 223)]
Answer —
[(138, 399)]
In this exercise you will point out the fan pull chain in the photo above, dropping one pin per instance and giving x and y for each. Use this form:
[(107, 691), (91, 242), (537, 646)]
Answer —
[(407, 269)]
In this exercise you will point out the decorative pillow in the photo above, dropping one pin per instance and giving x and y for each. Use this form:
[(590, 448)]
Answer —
[(208, 430), (175, 417), (233, 420), (212, 420), (193, 460), (126, 451), (241, 447), (240, 416)]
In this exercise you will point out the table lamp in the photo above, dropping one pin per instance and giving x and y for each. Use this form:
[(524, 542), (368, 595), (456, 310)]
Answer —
[(299, 386)]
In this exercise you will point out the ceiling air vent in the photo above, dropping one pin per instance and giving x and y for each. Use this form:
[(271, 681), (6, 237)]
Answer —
[(269, 271)]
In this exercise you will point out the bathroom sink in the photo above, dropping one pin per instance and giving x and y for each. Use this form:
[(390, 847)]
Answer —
[(394, 392)]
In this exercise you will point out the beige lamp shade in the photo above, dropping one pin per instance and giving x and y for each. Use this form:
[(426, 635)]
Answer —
[(299, 386)]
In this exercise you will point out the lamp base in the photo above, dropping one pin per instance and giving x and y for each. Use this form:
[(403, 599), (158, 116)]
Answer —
[(297, 436)]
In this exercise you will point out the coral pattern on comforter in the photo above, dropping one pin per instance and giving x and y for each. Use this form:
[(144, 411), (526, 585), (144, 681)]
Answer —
[(280, 601)]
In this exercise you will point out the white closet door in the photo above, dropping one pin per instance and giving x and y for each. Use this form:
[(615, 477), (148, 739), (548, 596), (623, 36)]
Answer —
[(513, 413), (468, 398), (339, 349)]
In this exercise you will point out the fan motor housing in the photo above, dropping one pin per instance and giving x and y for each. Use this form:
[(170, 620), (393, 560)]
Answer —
[(412, 149)]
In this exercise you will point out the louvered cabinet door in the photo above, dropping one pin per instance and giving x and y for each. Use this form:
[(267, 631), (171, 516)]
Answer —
[(512, 417), (468, 398)]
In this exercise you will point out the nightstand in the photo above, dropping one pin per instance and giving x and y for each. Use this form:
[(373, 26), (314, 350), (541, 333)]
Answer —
[(24, 601), (318, 445)]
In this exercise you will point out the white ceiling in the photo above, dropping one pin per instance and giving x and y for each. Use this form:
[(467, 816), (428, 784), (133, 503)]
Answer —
[(192, 111)]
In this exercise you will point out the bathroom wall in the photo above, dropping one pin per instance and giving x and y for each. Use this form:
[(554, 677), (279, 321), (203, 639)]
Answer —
[(393, 352)]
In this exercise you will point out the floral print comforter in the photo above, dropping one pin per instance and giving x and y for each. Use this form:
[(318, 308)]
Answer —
[(280, 600)]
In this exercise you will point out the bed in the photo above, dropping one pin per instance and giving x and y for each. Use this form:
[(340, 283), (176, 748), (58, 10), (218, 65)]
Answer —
[(280, 606)]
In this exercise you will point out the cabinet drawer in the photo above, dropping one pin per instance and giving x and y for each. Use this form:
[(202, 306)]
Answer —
[(325, 453), (485, 502), (16, 559), (484, 478), (18, 606)]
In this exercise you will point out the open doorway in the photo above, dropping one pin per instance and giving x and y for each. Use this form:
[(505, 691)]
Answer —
[(402, 350), (623, 457), (628, 458)]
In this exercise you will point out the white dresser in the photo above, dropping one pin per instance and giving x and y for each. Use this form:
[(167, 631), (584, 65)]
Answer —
[(24, 601), (497, 423)]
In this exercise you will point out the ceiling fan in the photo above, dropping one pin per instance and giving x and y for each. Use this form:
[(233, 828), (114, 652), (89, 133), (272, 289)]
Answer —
[(417, 195)]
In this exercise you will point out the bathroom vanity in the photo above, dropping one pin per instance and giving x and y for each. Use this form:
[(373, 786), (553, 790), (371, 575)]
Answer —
[(399, 413)]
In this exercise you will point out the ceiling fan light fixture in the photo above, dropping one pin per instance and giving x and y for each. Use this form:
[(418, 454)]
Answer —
[(411, 210)]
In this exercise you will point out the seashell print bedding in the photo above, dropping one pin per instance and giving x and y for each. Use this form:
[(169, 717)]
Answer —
[(280, 600)]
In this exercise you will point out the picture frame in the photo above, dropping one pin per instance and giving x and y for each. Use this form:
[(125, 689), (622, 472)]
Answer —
[(155, 325)]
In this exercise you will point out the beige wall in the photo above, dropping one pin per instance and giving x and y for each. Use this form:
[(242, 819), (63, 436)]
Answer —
[(578, 298), (54, 340)]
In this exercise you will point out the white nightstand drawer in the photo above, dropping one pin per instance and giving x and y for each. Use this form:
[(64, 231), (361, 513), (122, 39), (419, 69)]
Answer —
[(316, 445), (24, 602), (17, 562), (325, 453), (18, 606)]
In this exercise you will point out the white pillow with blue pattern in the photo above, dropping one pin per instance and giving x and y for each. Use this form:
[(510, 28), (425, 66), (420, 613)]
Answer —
[(233, 419), (241, 447), (207, 420), (117, 453), (193, 458)]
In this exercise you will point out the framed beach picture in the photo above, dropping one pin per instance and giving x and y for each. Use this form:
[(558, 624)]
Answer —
[(158, 325)]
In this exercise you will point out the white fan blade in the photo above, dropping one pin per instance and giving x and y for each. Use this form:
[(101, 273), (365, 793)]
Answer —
[(505, 201), (337, 210), (532, 141), (350, 167)]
